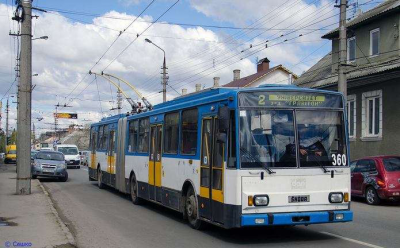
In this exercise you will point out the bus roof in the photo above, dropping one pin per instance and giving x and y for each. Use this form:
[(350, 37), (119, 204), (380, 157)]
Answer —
[(209, 95)]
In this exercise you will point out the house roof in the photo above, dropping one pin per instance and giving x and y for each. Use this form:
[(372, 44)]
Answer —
[(320, 75), (246, 81), (384, 8)]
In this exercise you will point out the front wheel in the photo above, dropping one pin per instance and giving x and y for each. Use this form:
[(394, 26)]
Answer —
[(64, 178), (372, 196), (99, 177), (192, 212), (134, 191)]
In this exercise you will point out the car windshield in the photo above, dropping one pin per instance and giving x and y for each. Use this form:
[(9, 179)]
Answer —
[(50, 156), (267, 138), (68, 150), (392, 164), (12, 152)]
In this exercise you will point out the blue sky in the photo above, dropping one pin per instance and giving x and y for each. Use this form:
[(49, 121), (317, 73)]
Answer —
[(194, 54)]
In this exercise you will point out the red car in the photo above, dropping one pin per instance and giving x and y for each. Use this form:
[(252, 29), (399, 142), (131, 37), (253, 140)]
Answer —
[(376, 178)]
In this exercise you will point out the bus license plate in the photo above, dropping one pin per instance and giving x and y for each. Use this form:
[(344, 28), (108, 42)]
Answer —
[(299, 198)]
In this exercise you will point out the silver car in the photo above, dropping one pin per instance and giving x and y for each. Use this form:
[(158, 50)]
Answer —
[(49, 164)]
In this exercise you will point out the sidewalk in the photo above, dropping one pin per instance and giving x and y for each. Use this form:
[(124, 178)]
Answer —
[(30, 220)]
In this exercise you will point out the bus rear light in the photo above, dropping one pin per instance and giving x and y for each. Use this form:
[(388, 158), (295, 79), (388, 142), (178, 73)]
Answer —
[(250, 200), (346, 197)]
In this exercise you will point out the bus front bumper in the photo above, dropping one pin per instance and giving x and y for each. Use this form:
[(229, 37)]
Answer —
[(303, 218)]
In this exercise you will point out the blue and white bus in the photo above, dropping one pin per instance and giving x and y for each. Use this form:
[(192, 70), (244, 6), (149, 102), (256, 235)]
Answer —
[(272, 155)]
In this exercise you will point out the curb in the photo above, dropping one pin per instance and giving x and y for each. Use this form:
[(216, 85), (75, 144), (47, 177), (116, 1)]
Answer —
[(63, 226)]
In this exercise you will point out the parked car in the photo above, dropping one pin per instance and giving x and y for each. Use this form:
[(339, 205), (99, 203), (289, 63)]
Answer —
[(11, 154), (376, 178), (49, 164), (84, 157), (33, 153), (71, 153), (46, 149)]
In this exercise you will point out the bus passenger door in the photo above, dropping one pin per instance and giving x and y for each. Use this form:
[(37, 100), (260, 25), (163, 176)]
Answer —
[(211, 173), (155, 163), (93, 143), (111, 155)]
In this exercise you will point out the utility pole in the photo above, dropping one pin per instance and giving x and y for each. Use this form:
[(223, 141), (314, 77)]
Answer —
[(7, 111), (55, 124), (24, 103), (119, 101), (164, 80), (342, 81)]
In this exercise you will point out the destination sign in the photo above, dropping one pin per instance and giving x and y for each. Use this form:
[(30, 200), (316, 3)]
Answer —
[(66, 116), (289, 99)]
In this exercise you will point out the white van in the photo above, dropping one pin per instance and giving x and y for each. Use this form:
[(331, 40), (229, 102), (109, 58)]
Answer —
[(71, 154)]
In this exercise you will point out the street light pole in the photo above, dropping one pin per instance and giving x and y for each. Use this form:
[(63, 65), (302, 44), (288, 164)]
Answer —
[(24, 103), (164, 72)]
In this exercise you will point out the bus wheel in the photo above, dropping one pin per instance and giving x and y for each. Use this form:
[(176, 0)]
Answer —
[(134, 191), (99, 177), (191, 210)]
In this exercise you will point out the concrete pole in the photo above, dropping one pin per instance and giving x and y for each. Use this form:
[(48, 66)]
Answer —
[(164, 80), (7, 111), (342, 81), (119, 101), (24, 104)]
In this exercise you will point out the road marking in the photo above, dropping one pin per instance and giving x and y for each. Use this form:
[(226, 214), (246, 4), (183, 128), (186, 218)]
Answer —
[(352, 240)]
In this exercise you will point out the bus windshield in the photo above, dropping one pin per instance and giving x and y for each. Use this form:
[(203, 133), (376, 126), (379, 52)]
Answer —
[(267, 138)]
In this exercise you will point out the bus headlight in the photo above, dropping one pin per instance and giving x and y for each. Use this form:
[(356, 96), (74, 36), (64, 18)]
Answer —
[(336, 197), (261, 200)]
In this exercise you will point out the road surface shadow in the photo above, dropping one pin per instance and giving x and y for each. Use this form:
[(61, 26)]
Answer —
[(249, 235)]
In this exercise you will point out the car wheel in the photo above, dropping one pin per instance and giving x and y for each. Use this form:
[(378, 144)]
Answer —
[(134, 191), (78, 167), (371, 196), (99, 177), (64, 178), (192, 210)]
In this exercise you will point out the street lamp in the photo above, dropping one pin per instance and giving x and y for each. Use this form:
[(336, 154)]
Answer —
[(164, 79), (41, 38)]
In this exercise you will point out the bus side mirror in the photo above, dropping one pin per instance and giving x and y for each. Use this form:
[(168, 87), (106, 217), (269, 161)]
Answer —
[(223, 119)]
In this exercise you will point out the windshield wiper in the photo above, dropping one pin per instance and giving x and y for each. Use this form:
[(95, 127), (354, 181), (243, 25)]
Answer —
[(269, 170)]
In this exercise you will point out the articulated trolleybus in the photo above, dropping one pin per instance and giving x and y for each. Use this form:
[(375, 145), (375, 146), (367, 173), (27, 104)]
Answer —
[(272, 155)]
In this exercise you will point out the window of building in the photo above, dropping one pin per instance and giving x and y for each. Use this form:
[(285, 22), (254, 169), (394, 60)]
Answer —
[(189, 132), (351, 115), (171, 139), (143, 140), (351, 49), (133, 136), (374, 40), (372, 114)]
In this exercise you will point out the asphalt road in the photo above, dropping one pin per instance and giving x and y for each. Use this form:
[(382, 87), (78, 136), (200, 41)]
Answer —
[(106, 218)]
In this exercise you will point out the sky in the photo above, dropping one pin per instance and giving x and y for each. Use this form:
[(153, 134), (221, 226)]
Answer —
[(202, 39)]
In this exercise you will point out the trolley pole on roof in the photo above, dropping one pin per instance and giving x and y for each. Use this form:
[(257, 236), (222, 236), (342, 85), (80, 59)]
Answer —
[(24, 102), (342, 81)]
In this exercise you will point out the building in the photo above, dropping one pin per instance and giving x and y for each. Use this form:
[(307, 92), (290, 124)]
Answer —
[(373, 79), (265, 75)]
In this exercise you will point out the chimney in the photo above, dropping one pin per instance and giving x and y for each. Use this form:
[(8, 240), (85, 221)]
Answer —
[(184, 92), (216, 82), (236, 75), (198, 87), (263, 65)]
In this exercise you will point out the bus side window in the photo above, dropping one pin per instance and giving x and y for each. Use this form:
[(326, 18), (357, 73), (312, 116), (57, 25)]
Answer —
[(232, 141), (171, 138), (144, 127), (133, 131), (100, 137), (104, 138), (189, 122)]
